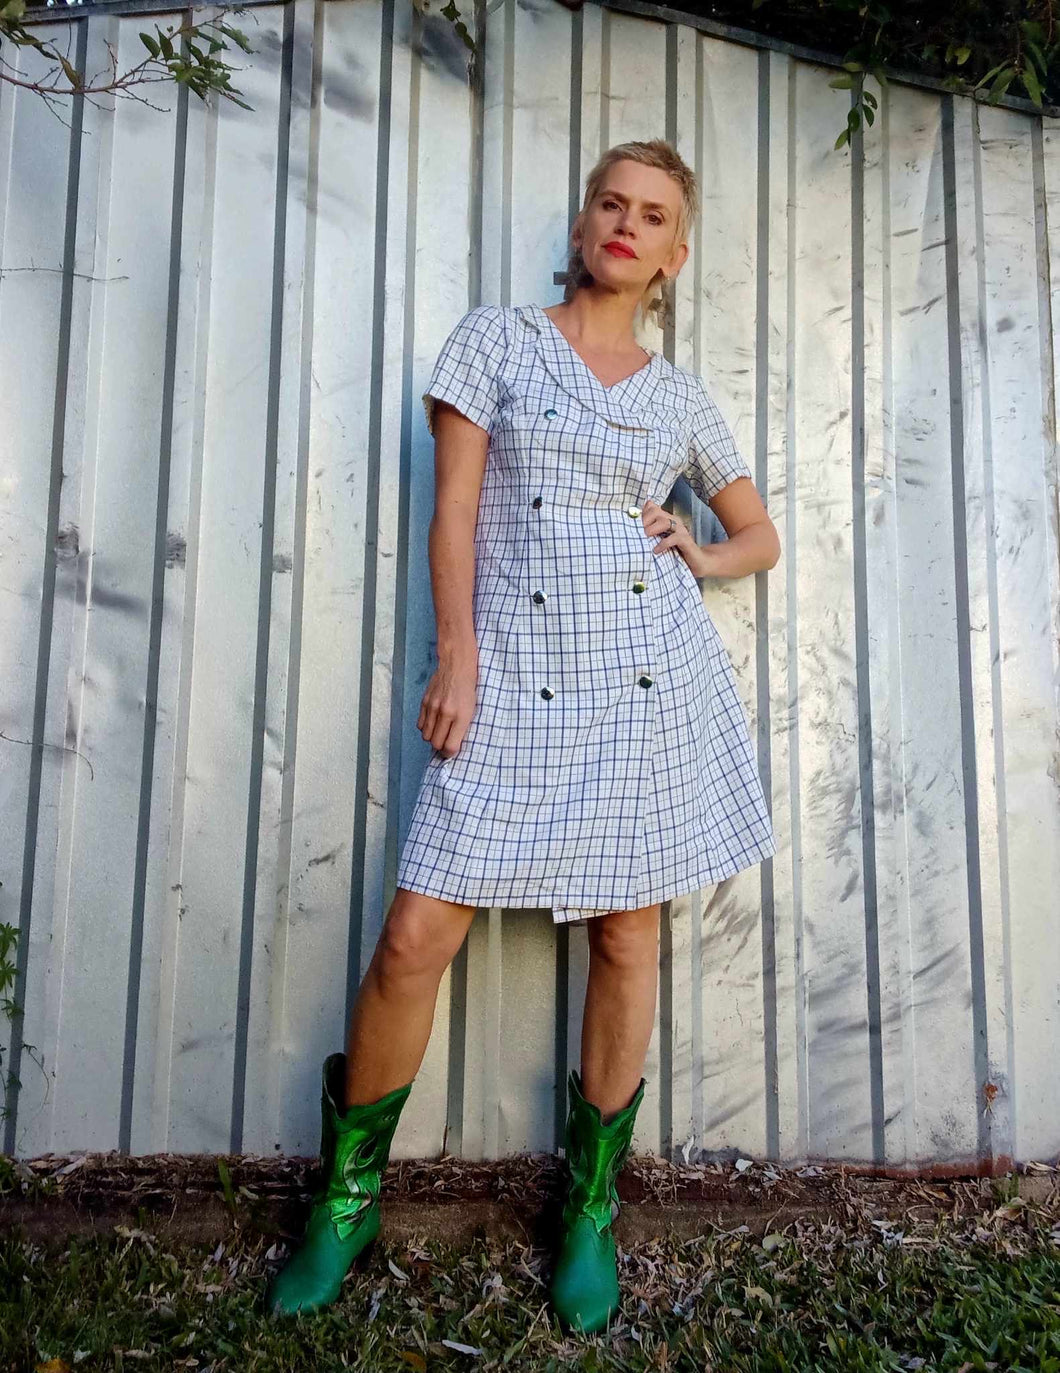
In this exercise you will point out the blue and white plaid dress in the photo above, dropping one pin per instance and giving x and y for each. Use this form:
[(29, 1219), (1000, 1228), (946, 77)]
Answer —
[(608, 764)]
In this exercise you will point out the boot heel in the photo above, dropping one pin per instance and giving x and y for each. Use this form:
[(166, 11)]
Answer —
[(367, 1255)]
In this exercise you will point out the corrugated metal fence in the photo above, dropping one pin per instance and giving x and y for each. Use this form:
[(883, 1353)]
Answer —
[(216, 619)]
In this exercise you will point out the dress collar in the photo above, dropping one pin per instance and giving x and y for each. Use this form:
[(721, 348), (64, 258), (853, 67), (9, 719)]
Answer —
[(627, 403)]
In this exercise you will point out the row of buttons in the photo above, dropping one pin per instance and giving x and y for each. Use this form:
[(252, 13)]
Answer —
[(634, 512), (643, 680), (542, 596)]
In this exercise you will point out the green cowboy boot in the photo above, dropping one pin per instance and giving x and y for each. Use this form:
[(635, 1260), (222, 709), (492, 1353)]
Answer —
[(584, 1286), (344, 1220)]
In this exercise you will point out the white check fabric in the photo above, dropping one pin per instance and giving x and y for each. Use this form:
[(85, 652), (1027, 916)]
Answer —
[(635, 780)]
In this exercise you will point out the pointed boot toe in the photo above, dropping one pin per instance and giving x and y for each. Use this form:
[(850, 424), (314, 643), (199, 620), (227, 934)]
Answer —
[(314, 1274), (584, 1291)]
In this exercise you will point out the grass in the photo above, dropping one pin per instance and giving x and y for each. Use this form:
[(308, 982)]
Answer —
[(978, 1293)]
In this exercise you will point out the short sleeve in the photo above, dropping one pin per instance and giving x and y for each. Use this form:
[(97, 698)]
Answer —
[(466, 372), (713, 458)]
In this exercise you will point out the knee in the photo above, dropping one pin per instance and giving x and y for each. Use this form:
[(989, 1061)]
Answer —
[(405, 947), (625, 940), (412, 944)]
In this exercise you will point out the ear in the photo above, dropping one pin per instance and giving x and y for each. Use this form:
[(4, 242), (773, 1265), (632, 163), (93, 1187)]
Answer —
[(678, 258)]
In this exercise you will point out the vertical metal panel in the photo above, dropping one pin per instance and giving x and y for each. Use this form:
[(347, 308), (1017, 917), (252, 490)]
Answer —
[(40, 561), (214, 492), (787, 1085), (1022, 473), (114, 397), (721, 345)]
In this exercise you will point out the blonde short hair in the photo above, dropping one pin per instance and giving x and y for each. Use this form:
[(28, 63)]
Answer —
[(657, 152)]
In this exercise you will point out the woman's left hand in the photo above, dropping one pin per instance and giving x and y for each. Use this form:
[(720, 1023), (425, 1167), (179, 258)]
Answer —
[(657, 521)]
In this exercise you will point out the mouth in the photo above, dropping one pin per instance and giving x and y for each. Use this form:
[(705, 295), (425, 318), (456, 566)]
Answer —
[(619, 249)]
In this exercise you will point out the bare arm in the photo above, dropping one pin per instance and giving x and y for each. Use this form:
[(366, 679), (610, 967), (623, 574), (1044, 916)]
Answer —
[(753, 544), (460, 449)]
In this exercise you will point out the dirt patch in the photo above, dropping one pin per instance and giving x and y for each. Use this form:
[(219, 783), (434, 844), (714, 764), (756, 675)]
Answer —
[(205, 1197)]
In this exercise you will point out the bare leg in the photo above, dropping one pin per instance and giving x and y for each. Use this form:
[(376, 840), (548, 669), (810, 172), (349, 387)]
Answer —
[(392, 1017), (619, 1005)]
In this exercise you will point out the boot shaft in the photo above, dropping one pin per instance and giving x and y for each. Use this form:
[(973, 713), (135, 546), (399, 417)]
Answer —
[(355, 1146), (595, 1154)]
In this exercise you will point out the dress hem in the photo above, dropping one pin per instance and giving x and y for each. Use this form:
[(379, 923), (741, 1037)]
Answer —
[(494, 896)]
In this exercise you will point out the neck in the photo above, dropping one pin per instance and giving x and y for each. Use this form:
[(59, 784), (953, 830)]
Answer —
[(599, 322)]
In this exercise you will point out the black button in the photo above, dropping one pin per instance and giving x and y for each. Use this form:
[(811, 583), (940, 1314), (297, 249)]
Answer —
[(644, 681), (536, 502), (539, 597), (639, 587), (547, 693)]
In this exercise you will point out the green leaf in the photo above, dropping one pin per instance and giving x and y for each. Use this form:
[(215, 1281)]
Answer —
[(167, 46), (1001, 85), (991, 73), (962, 55), (13, 10), (235, 35), (222, 1169), (1030, 81), (150, 44), (841, 83), (1039, 57)]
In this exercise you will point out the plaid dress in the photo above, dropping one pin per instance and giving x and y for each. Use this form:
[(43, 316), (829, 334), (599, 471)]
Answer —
[(608, 763)]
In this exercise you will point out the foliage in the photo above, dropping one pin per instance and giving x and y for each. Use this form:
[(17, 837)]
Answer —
[(188, 53), (986, 49), (8, 1006), (982, 48), (185, 53), (11, 1010)]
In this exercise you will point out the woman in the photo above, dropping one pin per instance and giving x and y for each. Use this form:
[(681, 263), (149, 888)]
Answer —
[(590, 751)]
